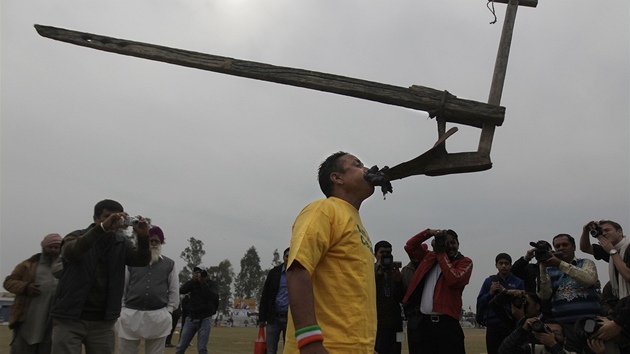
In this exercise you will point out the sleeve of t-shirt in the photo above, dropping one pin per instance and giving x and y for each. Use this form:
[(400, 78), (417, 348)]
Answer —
[(310, 239)]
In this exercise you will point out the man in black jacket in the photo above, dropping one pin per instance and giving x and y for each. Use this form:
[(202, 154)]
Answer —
[(274, 305), (204, 301)]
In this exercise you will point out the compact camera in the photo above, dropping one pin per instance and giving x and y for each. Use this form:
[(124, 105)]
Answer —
[(594, 229), (130, 221)]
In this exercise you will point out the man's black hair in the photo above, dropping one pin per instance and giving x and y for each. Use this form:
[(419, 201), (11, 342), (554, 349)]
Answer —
[(285, 251), (381, 244), (108, 204), (453, 233), (327, 167), (501, 256)]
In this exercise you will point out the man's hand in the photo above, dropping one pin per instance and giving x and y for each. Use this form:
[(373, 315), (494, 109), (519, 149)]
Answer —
[(609, 329), (527, 325), (529, 254), (605, 243), (113, 222), (396, 275), (552, 262), (548, 339), (496, 288), (597, 345), (142, 227), (33, 290), (314, 348)]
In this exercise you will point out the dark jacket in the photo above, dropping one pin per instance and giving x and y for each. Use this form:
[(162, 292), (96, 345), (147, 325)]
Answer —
[(267, 308), (204, 298), (91, 258)]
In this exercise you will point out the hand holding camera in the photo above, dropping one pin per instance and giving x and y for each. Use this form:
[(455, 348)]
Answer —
[(439, 240), (593, 229)]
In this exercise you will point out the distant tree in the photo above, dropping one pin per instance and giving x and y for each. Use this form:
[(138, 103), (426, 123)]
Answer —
[(223, 275), (276, 261), (192, 256), (250, 279)]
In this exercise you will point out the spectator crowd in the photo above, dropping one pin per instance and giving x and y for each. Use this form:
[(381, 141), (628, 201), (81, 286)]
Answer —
[(97, 290)]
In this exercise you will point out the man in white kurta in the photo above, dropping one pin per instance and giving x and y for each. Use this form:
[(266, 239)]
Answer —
[(151, 295)]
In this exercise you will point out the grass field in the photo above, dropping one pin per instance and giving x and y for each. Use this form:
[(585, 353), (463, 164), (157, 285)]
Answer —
[(240, 340)]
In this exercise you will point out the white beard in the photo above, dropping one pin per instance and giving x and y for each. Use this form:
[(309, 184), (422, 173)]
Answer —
[(156, 251)]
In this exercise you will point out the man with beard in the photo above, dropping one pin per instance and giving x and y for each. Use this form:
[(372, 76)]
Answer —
[(151, 295), (34, 285), (88, 299), (433, 301)]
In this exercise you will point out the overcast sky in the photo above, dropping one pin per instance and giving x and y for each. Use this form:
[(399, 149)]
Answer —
[(232, 161)]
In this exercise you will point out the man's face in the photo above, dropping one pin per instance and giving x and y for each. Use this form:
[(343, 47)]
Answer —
[(52, 250), (352, 176), (532, 308), (381, 251), (285, 257), (504, 266), (104, 215), (452, 246), (611, 234), (154, 241), (556, 329), (562, 244)]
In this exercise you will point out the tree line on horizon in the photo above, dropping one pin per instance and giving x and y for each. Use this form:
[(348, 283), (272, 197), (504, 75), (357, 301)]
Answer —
[(248, 284)]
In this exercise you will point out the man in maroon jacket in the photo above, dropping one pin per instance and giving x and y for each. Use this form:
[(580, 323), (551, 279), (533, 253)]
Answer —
[(433, 301)]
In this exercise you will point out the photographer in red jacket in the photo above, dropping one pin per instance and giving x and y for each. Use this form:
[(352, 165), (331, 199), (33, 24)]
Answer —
[(433, 301)]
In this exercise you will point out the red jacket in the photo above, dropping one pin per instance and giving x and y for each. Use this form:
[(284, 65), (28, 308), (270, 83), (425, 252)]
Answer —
[(447, 298)]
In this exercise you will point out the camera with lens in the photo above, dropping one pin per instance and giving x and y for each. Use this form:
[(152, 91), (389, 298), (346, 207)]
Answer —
[(542, 251), (387, 261), (587, 326), (440, 241), (130, 221), (594, 229), (539, 327), (518, 301)]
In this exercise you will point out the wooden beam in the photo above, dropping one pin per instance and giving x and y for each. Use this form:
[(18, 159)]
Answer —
[(449, 107), (528, 3)]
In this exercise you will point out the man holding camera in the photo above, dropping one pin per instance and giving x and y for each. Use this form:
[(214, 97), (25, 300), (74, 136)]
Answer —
[(570, 283), (536, 337), (90, 290), (433, 301), (204, 301), (389, 294), (613, 248), (498, 321)]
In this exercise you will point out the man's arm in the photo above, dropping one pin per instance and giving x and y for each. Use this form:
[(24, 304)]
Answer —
[(186, 288), (414, 248), (263, 309), (513, 344), (585, 244), (17, 282), (173, 290), (455, 276), (544, 286), (75, 246), (586, 276), (302, 303)]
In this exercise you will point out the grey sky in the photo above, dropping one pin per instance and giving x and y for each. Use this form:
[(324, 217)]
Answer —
[(232, 161)]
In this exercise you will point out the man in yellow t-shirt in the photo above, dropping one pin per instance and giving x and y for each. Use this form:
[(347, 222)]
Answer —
[(330, 274)]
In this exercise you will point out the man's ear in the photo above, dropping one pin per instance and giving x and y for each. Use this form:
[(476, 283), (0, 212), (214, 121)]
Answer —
[(336, 178)]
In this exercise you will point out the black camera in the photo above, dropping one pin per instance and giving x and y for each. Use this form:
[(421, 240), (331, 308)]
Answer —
[(587, 326), (539, 327), (518, 302), (543, 251), (440, 241), (594, 229), (387, 261)]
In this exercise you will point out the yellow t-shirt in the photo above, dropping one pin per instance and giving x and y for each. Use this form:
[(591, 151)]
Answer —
[(330, 241)]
